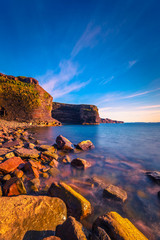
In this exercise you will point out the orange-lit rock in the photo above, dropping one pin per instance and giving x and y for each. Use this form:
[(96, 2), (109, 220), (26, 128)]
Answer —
[(11, 164)]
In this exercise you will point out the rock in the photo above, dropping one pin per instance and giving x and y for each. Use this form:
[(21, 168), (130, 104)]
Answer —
[(50, 155), (51, 238), (27, 153), (31, 146), (47, 148), (54, 172), (10, 155), (107, 120), (1, 193), (21, 216), (45, 175), (115, 193), (14, 187), (54, 163), (117, 227), (32, 169), (7, 177), (64, 144), (65, 159), (75, 114), (77, 205), (100, 233), (4, 151), (155, 176), (11, 164), (80, 163), (71, 229), (85, 145), (11, 144), (18, 173)]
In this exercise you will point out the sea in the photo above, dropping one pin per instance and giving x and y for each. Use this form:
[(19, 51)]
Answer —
[(123, 154)]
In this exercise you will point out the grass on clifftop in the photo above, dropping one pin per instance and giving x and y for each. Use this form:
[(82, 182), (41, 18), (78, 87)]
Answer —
[(18, 92)]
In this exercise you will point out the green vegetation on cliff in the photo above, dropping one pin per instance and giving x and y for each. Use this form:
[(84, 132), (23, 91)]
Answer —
[(18, 92)]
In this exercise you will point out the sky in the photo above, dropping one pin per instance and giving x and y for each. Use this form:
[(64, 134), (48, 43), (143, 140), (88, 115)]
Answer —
[(102, 52)]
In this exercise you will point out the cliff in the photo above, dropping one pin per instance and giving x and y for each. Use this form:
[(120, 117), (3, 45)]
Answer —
[(23, 99), (75, 114)]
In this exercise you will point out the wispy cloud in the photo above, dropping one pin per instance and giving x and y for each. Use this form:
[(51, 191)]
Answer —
[(60, 84), (120, 96), (149, 107), (88, 39), (132, 63), (105, 81)]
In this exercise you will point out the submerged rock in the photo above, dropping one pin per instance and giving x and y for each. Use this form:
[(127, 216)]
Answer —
[(100, 234), (71, 229), (80, 163), (77, 205), (115, 192), (155, 175), (85, 145), (22, 215), (64, 144), (117, 227), (11, 164)]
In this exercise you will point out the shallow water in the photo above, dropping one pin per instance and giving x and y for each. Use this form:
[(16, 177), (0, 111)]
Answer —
[(122, 154)]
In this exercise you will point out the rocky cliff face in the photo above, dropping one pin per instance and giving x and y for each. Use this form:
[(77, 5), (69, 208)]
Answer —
[(23, 99), (75, 114)]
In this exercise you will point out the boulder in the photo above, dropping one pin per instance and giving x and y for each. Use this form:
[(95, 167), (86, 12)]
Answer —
[(22, 215), (64, 144), (4, 151), (115, 193), (11, 164), (49, 155), (47, 148), (14, 187), (65, 159), (85, 145), (32, 169), (80, 163), (117, 227), (51, 238), (155, 176), (71, 229), (77, 205), (27, 153), (18, 173), (10, 155), (11, 144)]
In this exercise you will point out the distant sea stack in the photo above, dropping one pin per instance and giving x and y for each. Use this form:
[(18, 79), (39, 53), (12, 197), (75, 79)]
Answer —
[(107, 120), (75, 114), (23, 99)]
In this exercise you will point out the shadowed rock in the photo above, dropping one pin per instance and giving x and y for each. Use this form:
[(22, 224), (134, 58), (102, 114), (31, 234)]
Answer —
[(115, 192), (64, 144)]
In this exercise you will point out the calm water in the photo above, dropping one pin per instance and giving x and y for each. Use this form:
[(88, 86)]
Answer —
[(122, 154)]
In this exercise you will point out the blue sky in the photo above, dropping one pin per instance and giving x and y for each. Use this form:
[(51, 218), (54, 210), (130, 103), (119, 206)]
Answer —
[(103, 52)]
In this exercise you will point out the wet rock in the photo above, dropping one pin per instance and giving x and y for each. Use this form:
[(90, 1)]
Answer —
[(30, 145), (77, 205), (80, 163), (115, 193), (64, 144), (85, 145), (65, 159), (54, 163), (71, 229), (117, 227), (10, 155), (100, 234), (155, 176), (45, 175), (54, 172), (14, 187), (11, 164), (25, 214), (27, 153)]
